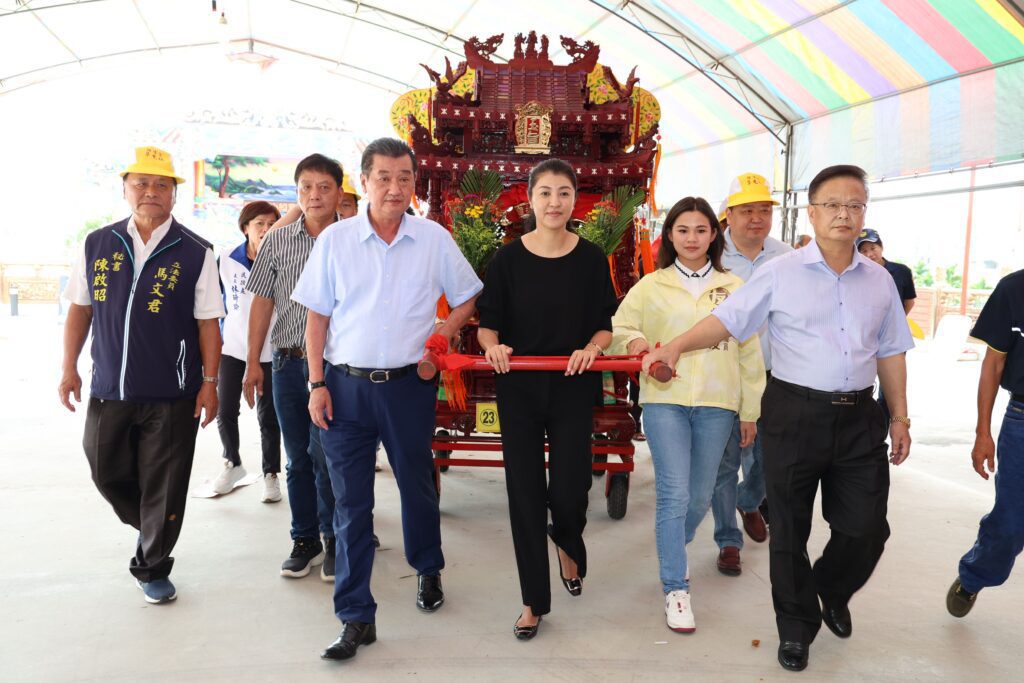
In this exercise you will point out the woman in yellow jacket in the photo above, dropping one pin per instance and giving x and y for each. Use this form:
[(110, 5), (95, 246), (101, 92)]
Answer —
[(689, 419)]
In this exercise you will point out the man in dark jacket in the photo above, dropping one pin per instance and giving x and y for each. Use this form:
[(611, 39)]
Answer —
[(148, 288)]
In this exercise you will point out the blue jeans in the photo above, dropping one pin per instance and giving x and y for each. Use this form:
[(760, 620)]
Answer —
[(686, 446), (309, 486), (745, 495), (1001, 535)]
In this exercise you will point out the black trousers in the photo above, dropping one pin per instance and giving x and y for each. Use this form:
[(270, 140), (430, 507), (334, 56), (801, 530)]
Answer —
[(530, 405), (229, 394), (806, 442), (140, 455)]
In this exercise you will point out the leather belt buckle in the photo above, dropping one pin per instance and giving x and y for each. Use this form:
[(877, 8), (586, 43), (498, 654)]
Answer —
[(839, 399), (379, 376)]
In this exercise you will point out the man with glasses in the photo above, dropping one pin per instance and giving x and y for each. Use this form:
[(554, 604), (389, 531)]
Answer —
[(834, 320), (371, 286), (748, 246)]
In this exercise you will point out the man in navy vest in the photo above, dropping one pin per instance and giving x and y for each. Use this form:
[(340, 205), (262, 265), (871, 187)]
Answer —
[(148, 288)]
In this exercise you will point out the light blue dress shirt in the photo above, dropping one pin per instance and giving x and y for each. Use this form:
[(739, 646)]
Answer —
[(738, 264), (826, 330), (382, 298)]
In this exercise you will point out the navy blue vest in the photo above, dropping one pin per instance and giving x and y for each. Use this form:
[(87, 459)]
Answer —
[(145, 344)]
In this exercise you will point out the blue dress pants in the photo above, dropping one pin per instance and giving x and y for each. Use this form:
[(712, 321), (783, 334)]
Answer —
[(401, 413)]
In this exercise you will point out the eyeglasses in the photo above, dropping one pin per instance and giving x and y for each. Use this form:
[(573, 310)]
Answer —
[(855, 208)]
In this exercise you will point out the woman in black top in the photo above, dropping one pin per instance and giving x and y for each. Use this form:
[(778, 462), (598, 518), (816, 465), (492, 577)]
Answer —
[(547, 293)]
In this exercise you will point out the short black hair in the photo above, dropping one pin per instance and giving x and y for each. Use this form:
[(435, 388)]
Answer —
[(556, 166), (386, 147), (320, 164), (840, 171), (667, 251)]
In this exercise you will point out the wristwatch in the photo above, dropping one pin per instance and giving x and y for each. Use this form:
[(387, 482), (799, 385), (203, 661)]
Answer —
[(316, 385), (900, 418), (209, 380)]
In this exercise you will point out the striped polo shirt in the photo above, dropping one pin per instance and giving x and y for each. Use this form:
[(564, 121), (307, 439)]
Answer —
[(277, 268)]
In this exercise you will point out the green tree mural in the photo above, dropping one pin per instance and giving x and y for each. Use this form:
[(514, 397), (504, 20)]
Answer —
[(223, 163)]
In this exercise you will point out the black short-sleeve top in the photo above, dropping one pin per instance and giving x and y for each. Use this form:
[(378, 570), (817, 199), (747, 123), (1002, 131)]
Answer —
[(903, 278), (547, 306), (1001, 326)]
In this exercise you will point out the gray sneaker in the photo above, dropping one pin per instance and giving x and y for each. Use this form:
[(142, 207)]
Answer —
[(958, 601), (306, 554), (157, 591), (327, 569)]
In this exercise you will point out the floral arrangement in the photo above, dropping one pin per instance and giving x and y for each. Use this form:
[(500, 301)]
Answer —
[(608, 221), (477, 221)]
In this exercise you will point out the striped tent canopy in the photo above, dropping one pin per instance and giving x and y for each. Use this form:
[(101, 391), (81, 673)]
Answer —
[(780, 87), (898, 86)]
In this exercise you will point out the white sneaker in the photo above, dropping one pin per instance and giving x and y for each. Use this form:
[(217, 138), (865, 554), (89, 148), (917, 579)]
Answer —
[(678, 614), (228, 477), (271, 489)]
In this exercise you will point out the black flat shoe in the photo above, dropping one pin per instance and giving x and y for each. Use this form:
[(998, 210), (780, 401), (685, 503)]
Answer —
[(525, 632), (429, 596), (574, 585), (793, 655), (837, 618), (354, 634)]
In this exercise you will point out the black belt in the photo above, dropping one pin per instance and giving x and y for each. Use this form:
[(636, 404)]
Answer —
[(376, 376), (836, 398), (1017, 397), (291, 351)]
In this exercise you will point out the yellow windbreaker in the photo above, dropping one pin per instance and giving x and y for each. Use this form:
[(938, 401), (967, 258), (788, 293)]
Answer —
[(730, 375)]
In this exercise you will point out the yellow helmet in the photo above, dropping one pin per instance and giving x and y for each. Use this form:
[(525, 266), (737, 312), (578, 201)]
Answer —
[(346, 186)]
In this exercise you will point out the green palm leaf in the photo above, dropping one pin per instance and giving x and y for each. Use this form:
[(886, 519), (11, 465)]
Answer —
[(608, 232), (484, 184)]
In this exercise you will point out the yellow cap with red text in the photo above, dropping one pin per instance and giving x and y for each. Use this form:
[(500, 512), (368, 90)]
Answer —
[(749, 188), (153, 161)]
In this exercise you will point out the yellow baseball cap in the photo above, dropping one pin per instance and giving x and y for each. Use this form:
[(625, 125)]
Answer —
[(153, 161), (749, 188), (346, 186)]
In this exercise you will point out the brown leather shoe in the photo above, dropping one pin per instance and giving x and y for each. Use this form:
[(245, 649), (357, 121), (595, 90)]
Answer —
[(753, 524), (729, 561)]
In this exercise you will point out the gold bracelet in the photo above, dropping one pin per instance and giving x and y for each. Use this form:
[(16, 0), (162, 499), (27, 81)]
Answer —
[(597, 346), (900, 418)]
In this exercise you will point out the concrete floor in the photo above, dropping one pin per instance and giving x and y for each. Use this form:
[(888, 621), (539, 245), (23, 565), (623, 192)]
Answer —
[(71, 611)]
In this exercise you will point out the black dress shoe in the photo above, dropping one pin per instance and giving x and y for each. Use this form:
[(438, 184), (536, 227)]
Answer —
[(793, 655), (837, 618), (526, 632), (354, 634), (429, 595)]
